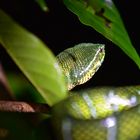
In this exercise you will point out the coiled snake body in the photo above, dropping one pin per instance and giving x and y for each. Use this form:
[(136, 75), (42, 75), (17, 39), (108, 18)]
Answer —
[(101, 113)]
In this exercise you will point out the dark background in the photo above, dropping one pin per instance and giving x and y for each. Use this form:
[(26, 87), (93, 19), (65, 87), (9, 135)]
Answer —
[(60, 29)]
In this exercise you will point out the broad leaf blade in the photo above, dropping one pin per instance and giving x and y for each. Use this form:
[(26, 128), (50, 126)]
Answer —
[(103, 16), (34, 59)]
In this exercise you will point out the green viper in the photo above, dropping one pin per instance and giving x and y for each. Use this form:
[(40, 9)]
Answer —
[(101, 113)]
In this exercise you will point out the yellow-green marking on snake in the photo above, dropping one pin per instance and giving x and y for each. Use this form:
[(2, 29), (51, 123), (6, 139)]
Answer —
[(102, 102), (100, 113)]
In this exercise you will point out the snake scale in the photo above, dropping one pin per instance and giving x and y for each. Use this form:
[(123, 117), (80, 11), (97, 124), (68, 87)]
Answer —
[(101, 113)]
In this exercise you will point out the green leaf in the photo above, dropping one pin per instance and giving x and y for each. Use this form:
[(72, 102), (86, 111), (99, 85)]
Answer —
[(34, 59), (43, 5), (103, 16), (22, 89)]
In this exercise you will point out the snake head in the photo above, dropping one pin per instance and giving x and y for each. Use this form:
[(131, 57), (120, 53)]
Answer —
[(80, 62)]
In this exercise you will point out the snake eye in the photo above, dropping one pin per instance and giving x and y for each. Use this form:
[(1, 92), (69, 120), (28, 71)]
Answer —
[(81, 62)]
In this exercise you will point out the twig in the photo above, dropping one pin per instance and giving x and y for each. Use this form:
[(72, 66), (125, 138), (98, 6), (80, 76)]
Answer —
[(4, 85), (16, 106)]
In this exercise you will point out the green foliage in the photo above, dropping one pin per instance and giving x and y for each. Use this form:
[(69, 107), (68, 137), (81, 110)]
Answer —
[(103, 16), (14, 126), (42, 4), (22, 88), (34, 59)]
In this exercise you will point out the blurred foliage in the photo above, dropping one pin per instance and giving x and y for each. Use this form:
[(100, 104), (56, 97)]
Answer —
[(23, 89), (43, 5), (34, 59)]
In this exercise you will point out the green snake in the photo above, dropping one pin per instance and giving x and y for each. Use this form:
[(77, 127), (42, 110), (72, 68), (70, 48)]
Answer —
[(101, 113)]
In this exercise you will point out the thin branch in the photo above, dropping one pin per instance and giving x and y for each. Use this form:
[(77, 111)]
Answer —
[(16, 106), (4, 85)]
